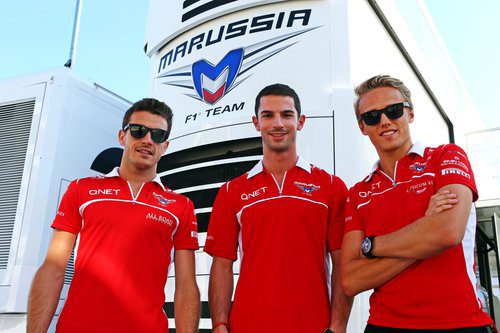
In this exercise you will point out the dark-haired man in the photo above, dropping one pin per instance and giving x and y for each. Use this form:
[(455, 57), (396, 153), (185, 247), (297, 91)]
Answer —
[(286, 217), (129, 229), (410, 224)]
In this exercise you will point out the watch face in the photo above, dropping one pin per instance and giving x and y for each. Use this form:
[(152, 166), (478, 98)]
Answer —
[(366, 246)]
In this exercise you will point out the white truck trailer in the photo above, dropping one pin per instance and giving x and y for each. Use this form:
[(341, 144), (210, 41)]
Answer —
[(210, 59), (56, 127)]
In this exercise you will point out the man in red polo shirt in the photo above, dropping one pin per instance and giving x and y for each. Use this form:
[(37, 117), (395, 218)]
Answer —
[(130, 228), (286, 217), (410, 224)]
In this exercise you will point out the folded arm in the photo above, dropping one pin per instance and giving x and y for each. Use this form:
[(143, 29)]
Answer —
[(359, 273), (431, 234)]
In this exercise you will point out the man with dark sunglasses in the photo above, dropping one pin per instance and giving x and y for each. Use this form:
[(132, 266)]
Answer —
[(410, 224), (130, 228)]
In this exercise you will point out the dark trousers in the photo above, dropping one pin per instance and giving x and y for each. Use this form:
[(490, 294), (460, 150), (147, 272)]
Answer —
[(379, 329)]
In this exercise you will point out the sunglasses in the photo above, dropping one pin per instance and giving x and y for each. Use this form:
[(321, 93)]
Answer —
[(139, 131), (393, 111)]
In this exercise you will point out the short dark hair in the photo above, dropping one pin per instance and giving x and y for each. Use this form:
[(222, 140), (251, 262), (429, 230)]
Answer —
[(153, 106), (278, 89)]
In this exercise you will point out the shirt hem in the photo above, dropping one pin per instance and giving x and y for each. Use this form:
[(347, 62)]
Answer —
[(433, 325), (65, 228)]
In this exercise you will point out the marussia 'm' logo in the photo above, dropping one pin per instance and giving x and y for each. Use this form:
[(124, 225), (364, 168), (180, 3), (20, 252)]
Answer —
[(163, 201), (212, 82), (418, 167), (307, 188)]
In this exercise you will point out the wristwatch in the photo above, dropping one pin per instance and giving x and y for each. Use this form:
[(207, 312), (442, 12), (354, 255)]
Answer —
[(328, 330), (367, 247)]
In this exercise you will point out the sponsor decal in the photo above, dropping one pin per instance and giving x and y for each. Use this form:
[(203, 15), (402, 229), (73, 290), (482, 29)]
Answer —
[(159, 218), (307, 188), (108, 191), (214, 112), (163, 201), (456, 152), (420, 187), (348, 218), (59, 213), (363, 194), (233, 30), (194, 234), (256, 193), (209, 82), (455, 162), (418, 166), (455, 171)]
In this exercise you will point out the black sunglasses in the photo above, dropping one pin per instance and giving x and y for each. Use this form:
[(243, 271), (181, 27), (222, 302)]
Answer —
[(139, 131), (393, 111)]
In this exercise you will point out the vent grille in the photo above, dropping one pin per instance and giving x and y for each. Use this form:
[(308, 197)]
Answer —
[(70, 269), (198, 172), (15, 124)]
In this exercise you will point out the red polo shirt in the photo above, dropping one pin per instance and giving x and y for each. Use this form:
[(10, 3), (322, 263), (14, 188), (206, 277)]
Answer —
[(284, 234), (125, 247), (437, 292)]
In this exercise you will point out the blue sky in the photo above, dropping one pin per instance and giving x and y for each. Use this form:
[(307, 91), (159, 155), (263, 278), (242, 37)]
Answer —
[(36, 35)]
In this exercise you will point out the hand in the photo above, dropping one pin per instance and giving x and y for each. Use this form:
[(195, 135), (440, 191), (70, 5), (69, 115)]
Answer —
[(441, 201), (337, 329), (220, 329)]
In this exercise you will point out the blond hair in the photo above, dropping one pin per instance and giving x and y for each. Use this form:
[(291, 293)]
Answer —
[(380, 81)]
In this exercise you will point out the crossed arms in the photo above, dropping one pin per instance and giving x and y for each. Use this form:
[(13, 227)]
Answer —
[(442, 227)]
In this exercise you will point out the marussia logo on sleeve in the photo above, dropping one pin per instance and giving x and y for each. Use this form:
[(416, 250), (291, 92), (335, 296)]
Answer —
[(163, 201)]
